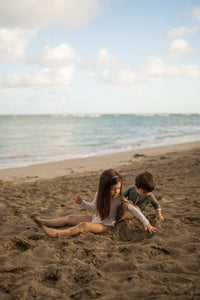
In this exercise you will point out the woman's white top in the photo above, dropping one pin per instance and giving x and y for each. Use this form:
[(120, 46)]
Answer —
[(111, 219)]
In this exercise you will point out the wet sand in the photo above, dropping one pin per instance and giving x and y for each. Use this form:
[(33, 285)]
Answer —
[(122, 263)]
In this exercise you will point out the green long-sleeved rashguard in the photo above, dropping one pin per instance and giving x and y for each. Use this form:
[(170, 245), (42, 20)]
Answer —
[(131, 194)]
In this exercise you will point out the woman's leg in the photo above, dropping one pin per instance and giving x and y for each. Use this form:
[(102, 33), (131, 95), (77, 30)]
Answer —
[(85, 226), (61, 222)]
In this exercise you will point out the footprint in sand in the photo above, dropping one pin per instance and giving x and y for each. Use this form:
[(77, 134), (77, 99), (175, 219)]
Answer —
[(22, 244)]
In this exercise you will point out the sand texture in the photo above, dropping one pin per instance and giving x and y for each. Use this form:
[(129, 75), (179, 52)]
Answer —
[(123, 263)]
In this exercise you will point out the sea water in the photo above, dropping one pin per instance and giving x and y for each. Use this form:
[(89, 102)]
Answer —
[(32, 139)]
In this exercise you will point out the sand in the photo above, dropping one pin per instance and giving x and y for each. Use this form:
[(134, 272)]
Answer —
[(123, 263)]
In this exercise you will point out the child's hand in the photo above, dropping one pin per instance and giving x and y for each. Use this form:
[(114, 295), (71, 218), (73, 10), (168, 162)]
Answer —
[(78, 199), (150, 228), (161, 218)]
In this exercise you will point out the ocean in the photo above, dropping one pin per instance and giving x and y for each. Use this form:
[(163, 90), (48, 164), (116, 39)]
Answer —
[(32, 139)]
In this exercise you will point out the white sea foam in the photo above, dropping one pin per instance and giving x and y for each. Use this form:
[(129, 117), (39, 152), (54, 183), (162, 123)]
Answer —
[(35, 139)]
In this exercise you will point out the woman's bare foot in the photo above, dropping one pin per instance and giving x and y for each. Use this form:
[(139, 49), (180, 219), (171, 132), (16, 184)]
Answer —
[(52, 232), (37, 220)]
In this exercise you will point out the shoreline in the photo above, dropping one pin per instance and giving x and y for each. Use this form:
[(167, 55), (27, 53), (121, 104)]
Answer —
[(87, 164)]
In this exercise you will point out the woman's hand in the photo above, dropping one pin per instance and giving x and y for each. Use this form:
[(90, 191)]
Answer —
[(150, 228), (78, 199)]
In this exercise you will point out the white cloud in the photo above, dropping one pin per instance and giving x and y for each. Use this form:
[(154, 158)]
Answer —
[(179, 48), (39, 13), (80, 62), (55, 57), (157, 68), (154, 66), (181, 31), (123, 77), (44, 77), (114, 71), (188, 71), (106, 60), (3, 91), (196, 13), (86, 74), (13, 43)]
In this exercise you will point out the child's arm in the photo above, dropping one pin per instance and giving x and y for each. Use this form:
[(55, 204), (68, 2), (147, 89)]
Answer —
[(150, 228), (141, 218), (126, 192), (78, 199), (157, 208), (159, 215), (91, 207)]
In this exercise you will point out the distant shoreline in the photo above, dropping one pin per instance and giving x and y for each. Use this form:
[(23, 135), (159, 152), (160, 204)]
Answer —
[(87, 164), (100, 114), (37, 139)]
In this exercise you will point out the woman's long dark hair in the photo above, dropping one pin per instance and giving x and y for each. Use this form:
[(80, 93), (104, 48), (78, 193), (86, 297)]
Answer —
[(107, 179)]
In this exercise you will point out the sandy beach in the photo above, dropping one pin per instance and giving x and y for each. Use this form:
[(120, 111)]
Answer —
[(123, 263)]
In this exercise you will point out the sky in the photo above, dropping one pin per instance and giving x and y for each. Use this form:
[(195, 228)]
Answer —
[(99, 56)]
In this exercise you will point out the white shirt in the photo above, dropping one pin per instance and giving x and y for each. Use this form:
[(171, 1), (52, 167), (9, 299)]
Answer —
[(111, 219)]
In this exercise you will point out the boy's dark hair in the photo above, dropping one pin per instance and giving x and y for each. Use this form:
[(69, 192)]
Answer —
[(145, 181)]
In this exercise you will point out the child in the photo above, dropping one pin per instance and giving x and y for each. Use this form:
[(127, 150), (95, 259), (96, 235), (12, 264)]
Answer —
[(104, 208), (141, 194)]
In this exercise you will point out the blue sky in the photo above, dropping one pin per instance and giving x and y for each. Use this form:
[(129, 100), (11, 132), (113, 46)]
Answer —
[(99, 56)]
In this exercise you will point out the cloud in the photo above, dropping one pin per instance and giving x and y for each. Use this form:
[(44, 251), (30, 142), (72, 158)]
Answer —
[(39, 13), (157, 69), (181, 31), (153, 66), (196, 13), (109, 70), (44, 77), (55, 57), (122, 77), (179, 48), (80, 62), (154, 71), (106, 60), (3, 91), (13, 43)]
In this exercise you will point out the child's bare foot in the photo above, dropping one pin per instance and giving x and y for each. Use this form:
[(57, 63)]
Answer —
[(37, 220), (51, 232)]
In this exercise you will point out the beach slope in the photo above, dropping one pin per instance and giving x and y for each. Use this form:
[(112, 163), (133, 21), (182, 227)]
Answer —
[(123, 263)]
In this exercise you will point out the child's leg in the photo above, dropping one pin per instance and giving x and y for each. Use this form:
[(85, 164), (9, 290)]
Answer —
[(85, 226), (61, 222)]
